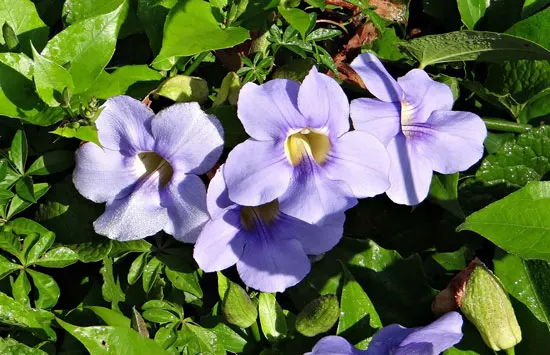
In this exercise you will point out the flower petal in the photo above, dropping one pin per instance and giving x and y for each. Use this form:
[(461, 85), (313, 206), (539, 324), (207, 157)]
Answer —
[(217, 198), (410, 173), (452, 140), (184, 198), (315, 238), (221, 242), (443, 333), (125, 124), (377, 79), (416, 349), (424, 95), (323, 103), (313, 197), (270, 110), (270, 263), (189, 139), (387, 339), (102, 175), (361, 161), (135, 216), (257, 172), (334, 345), (379, 118)]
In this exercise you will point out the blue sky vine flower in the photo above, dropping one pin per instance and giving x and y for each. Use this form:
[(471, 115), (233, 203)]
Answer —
[(394, 339), (412, 117), (147, 167), (269, 247), (301, 152)]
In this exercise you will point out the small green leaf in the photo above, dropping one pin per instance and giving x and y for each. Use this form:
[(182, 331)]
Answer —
[(471, 11), (195, 19), (51, 162), (200, 341), (318, 316), (18, 205), (237, 307), (151, 273), (10, 243), (231, 340), (51, 79), (21, 288), (92, 251), (136, 269), (138, 323), (158, 315), (20, 315), (48, 290), (18, 151), (152, 14), (24, 20), (85, 133), (10, 38), (110, 316), (111, 290), (443, 191), (272, 318), (101, 340), (58, 257), (519, 223), (183, 88), (472, 45), (229, 90), (38, 249), (166, 336), (6, 266), (185, 281), (297, 18), (24, 189), (10, 346)]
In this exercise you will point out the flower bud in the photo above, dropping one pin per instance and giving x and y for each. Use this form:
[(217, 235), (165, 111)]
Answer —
[(182, 88), (486, 304), (10, 38)]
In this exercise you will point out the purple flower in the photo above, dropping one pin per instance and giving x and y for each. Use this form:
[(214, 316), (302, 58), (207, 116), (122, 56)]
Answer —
[(147, 167), (301, 152), (413, 118), (269, 247), (394, 339)]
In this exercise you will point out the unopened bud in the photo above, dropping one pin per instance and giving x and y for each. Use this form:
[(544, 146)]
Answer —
[(182, 88), (10, 37), (486, 304)]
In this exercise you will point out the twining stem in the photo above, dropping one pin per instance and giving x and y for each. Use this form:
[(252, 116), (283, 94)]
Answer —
[(190, 69), (506, 126)]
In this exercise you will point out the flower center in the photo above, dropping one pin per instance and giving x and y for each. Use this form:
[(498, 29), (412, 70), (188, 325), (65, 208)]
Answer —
[(150, 162), (307, 142), (266, 213), (407, 113)]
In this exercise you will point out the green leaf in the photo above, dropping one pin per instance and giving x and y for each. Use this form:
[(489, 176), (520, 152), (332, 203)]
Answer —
[(194, 19), (230, 339), (10, 346), (136, 269), (92, 251), (24, 189), (21, 289), (26, 226), (87, 46), (519, 223), (518, 162), (297, 18), (58, 257), (151, 273), (138, 323), (20, 315), (184, 280), (200, 341), (10, 243), (471, 11), (358, 320), (385, 45), (85, 133), (472, 45), (78, 10), (443, 191), (51, 163), (111, 290), (18, 205), (122, 248), (272, 318), (229, 90), (51, 79), (136, 80), (237, 307), (111, 317), (318, 316), (18, 151), (502, 101), (158, 315), (233, 129), (532, 6), (24, 20), (183, 88), (6, 266), (152, 14), (48, 290), (166, 336), (101, 340), (38, 249)]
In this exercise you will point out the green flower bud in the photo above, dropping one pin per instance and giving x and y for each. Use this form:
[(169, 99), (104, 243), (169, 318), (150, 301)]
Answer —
[(486, 304), (318, 316), (10, 37), (182, 88)]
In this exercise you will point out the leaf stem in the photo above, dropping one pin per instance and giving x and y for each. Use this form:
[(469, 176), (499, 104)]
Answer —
[(506, 126), (255, 332), (511, 351), (195, 63)]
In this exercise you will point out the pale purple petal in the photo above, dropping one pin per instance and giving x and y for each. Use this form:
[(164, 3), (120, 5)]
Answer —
[(125, 124), (217, 198), (103, 175), (376, 78), (361, 161), (135, 216), (452, 140), (379, 118), (410, 173), (443, 333), (424, 95), (189, 139), (257, 172), (324, 104), (312, 196), (334, 345), (269, 111), (270, 263), (315, 238), (184, 198), (221, 242), (387, 339)]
